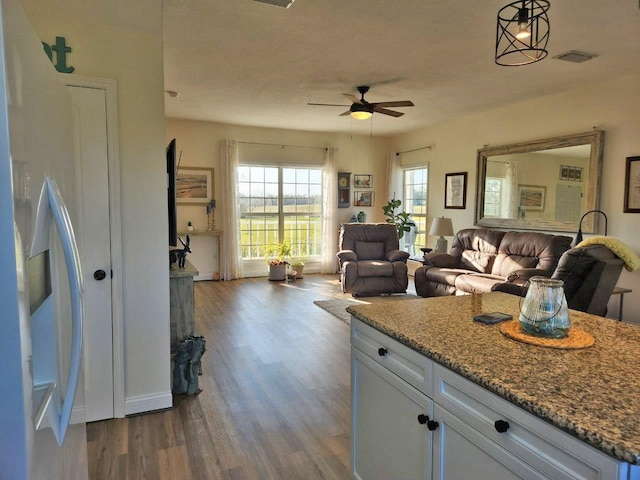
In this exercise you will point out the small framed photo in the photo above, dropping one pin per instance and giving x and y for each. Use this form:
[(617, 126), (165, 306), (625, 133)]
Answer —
[(362, 180), (194, 185), (363, 199), (531, 197), (564, 172), (455, 190), (632, 186)]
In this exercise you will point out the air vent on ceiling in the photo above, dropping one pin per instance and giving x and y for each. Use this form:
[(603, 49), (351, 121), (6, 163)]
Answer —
[(575, 57), (278, 3)]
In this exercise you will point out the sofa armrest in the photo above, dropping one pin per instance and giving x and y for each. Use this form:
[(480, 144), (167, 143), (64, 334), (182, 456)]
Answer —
[(397, 256), (442, 260), (523, 275), (347, 256), (511, 288)]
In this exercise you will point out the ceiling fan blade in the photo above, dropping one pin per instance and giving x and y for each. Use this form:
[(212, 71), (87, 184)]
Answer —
[(384, 111), (348, 112), (328, 104), (400, 103), (353, 98)]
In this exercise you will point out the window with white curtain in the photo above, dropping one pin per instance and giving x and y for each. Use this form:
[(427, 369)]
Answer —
[(278, 203), (415, 202)]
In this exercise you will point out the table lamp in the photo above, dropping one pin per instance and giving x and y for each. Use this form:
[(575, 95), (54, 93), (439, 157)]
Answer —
[(443, 227)]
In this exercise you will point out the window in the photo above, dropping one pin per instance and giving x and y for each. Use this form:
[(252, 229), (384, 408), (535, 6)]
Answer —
[(415, 182), (278, 204), (493, 197)]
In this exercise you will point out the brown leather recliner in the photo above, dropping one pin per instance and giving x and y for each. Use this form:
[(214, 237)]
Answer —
[(482, 258), (370, 260), (589, 274)]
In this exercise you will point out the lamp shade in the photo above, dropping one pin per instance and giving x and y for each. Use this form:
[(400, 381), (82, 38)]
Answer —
[(522, 33), (441, 226)]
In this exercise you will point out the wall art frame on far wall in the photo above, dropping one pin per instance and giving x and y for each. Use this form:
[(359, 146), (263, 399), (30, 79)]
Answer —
[(632, 186), (361, 180), (194, 185), (363, 198), (455, 190), (531, 197)]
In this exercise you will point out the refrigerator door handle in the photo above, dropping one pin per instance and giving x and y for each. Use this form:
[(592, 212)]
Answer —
[(72, 259)]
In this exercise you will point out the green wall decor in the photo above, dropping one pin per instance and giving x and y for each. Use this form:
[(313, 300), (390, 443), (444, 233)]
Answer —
[(61, 50)]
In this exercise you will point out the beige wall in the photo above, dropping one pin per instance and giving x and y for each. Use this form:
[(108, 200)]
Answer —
[(612, 106), (199, 143), (122, 40)]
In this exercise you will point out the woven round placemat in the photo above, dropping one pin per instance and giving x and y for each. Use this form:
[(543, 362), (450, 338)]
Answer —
[(576, 339)]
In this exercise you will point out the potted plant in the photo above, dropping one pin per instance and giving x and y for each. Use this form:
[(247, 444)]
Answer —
[(402, 220), (276, 256), (297, 264)]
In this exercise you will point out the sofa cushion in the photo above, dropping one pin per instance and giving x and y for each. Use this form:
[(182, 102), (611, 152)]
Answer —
[(529, 250), (444, 275), (476, 248), (375, 268), (477, 282), (370, 250)]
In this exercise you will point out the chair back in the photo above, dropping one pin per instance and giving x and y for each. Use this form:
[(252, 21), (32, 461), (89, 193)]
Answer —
[(370, 241)]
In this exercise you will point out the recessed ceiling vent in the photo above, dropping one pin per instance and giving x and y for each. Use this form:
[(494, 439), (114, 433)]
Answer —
[(278, 3), (575, 57)]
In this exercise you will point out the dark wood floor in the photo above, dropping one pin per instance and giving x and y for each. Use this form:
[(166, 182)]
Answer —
[(275, 394)]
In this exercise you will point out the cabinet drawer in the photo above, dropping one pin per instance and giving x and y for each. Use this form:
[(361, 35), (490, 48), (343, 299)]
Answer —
[(546, 448), (412, 367)]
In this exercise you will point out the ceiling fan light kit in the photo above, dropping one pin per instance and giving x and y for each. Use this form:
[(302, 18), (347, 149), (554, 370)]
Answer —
[(522, 33), (362, 110)]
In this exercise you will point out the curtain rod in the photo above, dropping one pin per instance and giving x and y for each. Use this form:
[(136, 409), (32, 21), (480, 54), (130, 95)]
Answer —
[(416, 149), (281, 145)]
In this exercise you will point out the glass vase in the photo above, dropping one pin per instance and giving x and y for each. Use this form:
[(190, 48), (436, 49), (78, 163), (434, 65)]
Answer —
[(545, 312)]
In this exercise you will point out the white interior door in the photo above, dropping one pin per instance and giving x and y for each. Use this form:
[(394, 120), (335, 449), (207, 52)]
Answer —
[(94, 242)]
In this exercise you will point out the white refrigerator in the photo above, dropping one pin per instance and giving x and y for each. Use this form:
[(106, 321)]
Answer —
[(42, 435)]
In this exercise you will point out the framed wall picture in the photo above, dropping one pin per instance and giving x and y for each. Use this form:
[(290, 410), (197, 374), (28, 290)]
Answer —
[(632, 186), (194, 185), (531, 197), (362, 180), (455, 190), (344, 189), (363, 199)]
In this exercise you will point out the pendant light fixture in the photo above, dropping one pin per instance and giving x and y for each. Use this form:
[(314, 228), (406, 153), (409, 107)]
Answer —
[(522, 33)]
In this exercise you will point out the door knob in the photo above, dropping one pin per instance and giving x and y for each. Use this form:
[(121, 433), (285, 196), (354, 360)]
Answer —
[(501, 426), (99, 275)]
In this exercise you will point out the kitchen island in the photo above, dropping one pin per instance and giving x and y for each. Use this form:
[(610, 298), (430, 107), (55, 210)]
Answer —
[(592, 394)]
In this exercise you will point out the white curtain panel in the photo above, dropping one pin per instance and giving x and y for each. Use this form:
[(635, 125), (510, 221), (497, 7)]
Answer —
[(509, 198), (394, 174), (230, 255), (328, 263)]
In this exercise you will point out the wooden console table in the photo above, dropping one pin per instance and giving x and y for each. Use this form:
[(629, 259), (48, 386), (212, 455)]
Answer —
[(181, 302)]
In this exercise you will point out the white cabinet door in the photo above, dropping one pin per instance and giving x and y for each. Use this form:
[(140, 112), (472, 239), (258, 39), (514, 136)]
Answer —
[(461, 452), (389, 442)]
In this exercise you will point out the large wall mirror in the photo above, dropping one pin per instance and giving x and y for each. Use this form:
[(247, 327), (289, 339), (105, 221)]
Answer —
[(540, 185)]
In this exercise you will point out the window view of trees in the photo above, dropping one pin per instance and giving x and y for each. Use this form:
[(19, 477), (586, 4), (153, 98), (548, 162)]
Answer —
[(493, 197), (278, 204), (415, 203)]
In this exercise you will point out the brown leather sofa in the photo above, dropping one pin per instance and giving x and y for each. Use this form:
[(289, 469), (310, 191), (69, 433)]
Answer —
[(482, 258), (370, 260), (589, 273)]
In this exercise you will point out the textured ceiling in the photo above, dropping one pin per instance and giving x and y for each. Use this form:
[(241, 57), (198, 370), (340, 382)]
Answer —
[(248, 63)]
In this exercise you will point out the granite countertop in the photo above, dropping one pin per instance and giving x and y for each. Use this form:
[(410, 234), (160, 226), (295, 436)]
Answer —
[(592, 393)]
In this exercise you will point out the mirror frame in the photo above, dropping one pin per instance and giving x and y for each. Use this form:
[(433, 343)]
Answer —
[(594, 138)]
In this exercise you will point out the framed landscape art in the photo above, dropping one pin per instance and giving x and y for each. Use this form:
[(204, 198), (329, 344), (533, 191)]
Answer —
[(531, 197), (194, 185)]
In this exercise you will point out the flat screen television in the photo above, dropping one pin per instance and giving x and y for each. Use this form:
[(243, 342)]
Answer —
[(171, 193)]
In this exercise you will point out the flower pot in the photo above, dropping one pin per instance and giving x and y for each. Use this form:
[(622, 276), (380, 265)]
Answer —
[(299, 270), (277, 272)]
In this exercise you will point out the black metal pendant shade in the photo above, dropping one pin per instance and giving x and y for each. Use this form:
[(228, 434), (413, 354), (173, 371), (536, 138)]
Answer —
[(522, 33)]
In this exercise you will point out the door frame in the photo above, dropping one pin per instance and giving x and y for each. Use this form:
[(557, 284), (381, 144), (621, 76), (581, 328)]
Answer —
[(115, 224)]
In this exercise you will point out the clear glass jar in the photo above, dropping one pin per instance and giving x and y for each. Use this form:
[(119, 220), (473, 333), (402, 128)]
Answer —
[(545, 312)]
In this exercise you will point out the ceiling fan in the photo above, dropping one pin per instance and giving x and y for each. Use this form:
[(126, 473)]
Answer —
[(361, 109)]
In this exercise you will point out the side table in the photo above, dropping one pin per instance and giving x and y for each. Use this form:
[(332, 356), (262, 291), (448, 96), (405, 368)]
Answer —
[(620, 291)]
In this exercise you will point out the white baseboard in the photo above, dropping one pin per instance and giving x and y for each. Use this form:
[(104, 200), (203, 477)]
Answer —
[(148, 403), (206, 276)]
